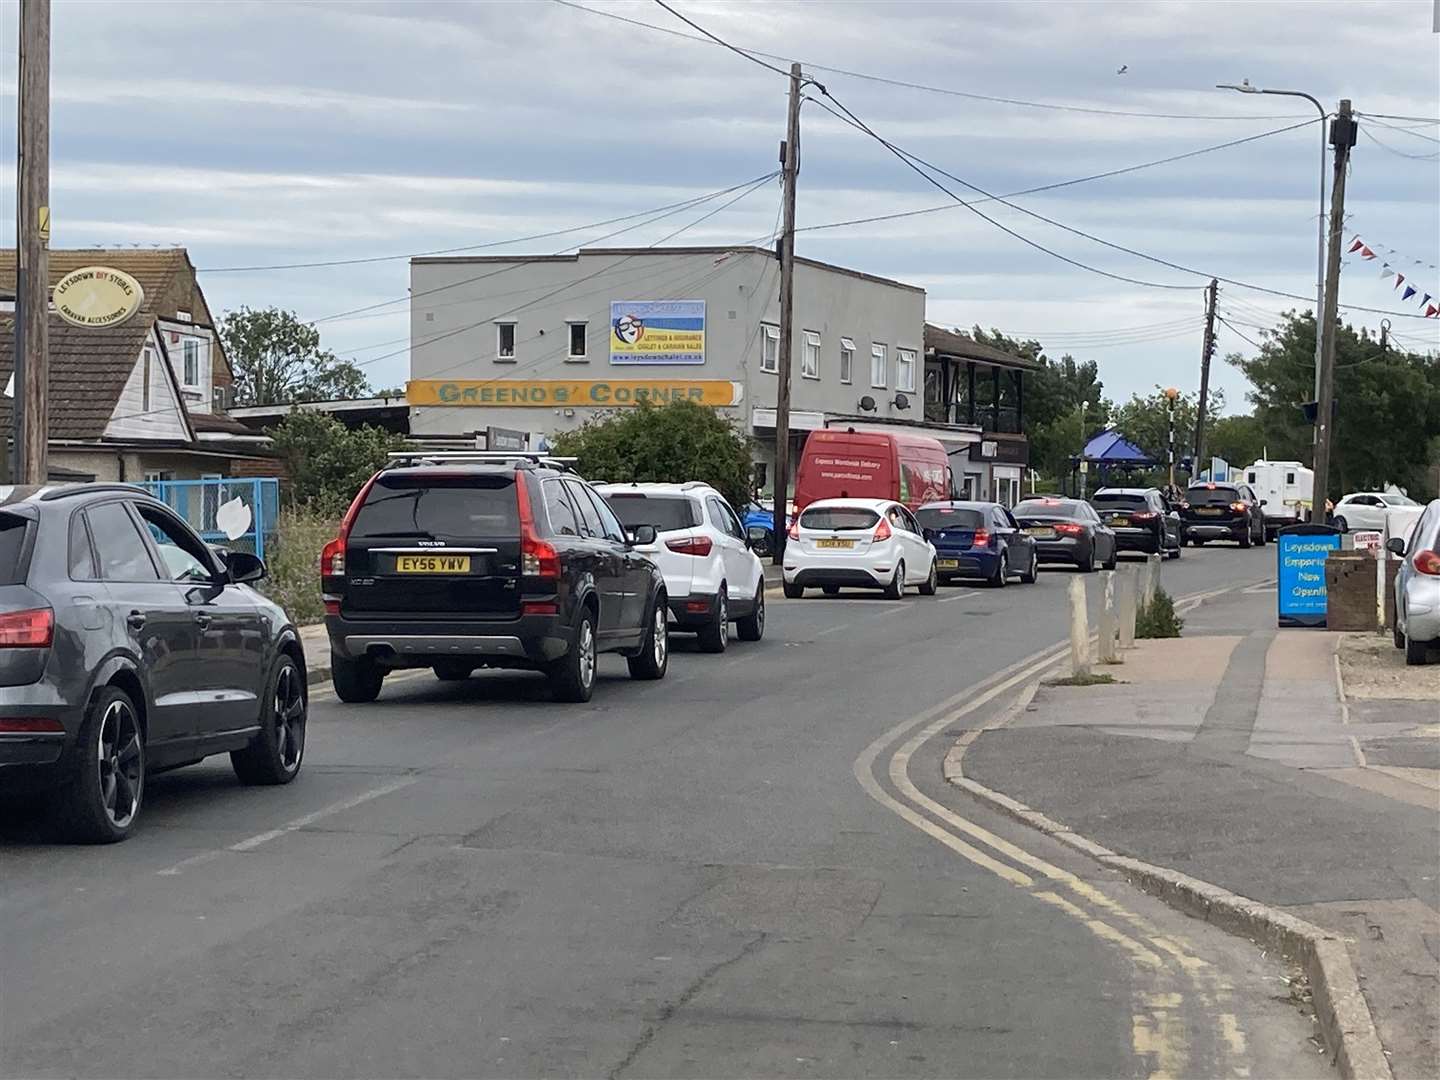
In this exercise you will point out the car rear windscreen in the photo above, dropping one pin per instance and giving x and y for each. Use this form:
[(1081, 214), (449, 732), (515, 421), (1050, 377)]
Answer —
[(947, 517), (1116, 501), (433, 506), (664, 513), (839, 517), (1216, 496), (1064, 509), (12, 546)]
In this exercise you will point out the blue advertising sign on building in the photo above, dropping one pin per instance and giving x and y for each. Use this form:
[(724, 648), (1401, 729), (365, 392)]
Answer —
[(1300, 553), (657, 332)]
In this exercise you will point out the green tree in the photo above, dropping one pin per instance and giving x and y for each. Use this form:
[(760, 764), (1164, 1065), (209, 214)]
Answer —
[(1238, 439), (277, 359), (1387, 416), (667, 443), (326, 462)]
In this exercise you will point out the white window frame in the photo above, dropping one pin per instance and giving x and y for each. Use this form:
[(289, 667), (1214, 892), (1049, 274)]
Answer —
[(879, 361), (905, 370), (189, 349), (571, 356), (810, 356), (770, 347), (847, 360), (502, 357)]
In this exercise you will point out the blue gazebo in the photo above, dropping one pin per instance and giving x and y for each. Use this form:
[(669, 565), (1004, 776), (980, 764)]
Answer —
[(1109, 450)]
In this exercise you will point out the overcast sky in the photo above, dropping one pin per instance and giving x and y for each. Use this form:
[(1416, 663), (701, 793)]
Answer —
[(264, 133)]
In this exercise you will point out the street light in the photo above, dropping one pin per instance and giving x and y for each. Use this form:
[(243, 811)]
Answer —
[(1246, 88)]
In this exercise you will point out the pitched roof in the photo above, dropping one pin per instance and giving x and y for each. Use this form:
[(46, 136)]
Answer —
[(88, 370), (954, 343)]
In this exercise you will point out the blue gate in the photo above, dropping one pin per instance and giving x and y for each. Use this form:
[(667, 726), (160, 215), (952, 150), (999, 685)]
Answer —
[(199, 501)]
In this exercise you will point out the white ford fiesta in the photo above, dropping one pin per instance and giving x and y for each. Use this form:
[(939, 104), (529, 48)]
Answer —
[(858, 543)]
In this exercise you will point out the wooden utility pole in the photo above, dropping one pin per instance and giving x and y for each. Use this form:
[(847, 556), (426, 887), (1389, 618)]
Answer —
[(32, 229), (1205, 353), (790, 161), (1343, 130)]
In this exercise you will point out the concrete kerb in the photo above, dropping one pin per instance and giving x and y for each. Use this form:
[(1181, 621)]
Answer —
[(1343, 1015)]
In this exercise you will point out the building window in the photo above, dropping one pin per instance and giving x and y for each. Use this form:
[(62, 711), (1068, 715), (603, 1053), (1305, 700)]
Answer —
[(190, 350), (810, 357), (505, 341), (847, 360), (182, 316), (578, 333), (877, 366), (905, 370), (769, 348)]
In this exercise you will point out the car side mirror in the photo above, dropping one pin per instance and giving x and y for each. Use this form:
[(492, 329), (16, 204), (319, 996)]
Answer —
[(1264, 502), (1396, 545), (244, 567), (641, 535)]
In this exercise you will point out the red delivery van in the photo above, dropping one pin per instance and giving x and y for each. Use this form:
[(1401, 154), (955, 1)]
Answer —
[(841, 464)]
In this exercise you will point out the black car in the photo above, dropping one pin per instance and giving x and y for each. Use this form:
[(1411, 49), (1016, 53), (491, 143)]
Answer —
[(1067, 531), (461, 561), (128, 646), (1223, 512), (1141, 519)]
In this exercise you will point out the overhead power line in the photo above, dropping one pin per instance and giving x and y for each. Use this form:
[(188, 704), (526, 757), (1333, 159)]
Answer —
[(1238, 333), (914, 161), (1058, 184), (1412, 132), (754, 54), (1433, 156)]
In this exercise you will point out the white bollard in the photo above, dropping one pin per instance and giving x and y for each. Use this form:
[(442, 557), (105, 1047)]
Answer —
[(1107, 653), (1152, 577), (1079, 630), (1381, 558), (1127, 608)]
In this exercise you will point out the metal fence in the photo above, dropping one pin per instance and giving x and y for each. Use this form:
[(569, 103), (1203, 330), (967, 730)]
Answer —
[(200, 501)]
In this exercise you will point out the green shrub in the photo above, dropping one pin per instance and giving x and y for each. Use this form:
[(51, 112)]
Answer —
[(1157, 619), (293, 560)]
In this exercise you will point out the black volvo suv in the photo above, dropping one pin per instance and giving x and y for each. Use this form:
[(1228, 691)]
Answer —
[(456, 561)]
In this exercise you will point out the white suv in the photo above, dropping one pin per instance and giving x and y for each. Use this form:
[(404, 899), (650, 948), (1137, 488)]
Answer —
[(712, 578)]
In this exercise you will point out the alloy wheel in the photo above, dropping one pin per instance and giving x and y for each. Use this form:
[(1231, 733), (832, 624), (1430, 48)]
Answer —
[(121, 764), (587, 653), (289, 719), (660, 634)]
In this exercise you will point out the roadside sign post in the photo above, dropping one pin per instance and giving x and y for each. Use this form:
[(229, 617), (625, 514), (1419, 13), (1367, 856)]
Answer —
[(1300, 554)]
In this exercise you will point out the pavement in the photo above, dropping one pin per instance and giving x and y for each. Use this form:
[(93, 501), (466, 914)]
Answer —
[(754, 868), (1237, 755)]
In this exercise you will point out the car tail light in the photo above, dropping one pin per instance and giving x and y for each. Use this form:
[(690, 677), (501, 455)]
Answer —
[(332, 606), (794, 531), (882, 531), (31, 629), (1069, 528), (1427, 562), (982, 538), (332, 557), (30, 725), (1239, 507), (540, 607), (538, 558), (1144, 515), (690, 545)]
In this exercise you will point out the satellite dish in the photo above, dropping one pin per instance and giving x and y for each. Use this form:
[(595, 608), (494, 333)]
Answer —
[(901, 401), (867, 404)]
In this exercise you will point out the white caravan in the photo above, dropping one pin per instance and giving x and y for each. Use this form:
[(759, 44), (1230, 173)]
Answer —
[(1284, 488)]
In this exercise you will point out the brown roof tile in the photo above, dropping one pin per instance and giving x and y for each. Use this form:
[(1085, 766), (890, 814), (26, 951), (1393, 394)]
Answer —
[(952, 343)]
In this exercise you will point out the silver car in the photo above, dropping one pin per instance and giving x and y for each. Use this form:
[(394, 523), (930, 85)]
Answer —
[(1417, 587)]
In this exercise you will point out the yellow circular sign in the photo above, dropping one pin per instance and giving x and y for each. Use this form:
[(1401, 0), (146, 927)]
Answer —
[(97, 296)]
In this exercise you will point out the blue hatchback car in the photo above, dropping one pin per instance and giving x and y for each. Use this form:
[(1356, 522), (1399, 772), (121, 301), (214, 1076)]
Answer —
[(977, 540)]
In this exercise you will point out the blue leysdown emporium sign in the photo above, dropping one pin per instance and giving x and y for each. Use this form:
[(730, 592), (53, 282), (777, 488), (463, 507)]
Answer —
[(1300, 554)]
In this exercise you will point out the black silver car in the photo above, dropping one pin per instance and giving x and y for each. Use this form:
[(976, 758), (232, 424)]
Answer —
[(455, 561), (1223, 512), (128, 646), (1141, 520), (1067, 531)]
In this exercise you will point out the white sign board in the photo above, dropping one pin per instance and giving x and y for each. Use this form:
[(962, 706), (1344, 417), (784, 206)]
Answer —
[(1366, 541)]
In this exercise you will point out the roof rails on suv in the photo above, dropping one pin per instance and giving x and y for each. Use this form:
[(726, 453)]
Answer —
[(521, 459)]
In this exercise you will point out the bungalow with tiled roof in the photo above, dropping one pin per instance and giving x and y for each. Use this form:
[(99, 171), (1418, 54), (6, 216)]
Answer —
[(144, 400)]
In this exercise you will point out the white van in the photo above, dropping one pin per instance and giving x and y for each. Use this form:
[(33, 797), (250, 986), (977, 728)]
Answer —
[(1285, 488)]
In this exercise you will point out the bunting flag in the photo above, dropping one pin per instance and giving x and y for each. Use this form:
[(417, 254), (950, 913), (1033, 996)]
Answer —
[(1388, 272)]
